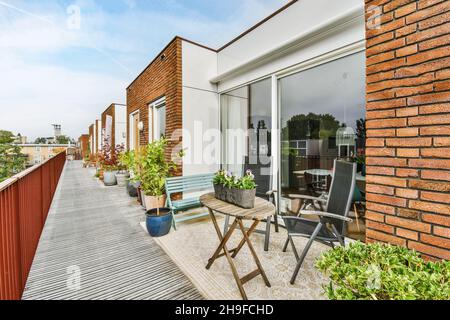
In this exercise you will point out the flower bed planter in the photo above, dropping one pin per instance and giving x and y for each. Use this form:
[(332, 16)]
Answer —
[(241, 198), (220, 192)]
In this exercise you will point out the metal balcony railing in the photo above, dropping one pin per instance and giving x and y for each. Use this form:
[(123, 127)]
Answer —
[(25, 201)]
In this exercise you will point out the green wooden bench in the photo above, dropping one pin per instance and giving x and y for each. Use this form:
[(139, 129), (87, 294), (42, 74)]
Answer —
[(195, 183)]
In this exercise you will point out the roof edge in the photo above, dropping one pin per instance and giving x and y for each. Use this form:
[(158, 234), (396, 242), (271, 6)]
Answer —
[(243, 34), (221, 48), (197, 44)]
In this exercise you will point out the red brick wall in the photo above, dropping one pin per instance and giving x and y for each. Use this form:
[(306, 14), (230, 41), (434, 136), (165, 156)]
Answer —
[(161, 78), (91, 138), (110, 111), (98, 137), (408, 126), (84, 142)]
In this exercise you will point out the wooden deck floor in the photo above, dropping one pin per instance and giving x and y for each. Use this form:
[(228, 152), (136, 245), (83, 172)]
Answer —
[(95, 230)]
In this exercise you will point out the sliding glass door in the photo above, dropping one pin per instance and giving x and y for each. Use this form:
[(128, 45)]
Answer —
[(321, 112), (322, 119)]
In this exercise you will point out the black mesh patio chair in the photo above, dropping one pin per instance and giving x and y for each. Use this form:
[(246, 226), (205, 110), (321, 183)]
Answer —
[(329, 228)]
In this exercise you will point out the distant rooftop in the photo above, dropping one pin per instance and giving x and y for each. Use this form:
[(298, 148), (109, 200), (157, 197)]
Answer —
[(43, 145)]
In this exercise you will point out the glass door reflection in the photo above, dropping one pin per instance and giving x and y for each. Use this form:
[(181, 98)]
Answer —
[(322, 119)]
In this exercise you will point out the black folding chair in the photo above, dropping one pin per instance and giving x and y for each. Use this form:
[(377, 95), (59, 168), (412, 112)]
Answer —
[(330, 226)]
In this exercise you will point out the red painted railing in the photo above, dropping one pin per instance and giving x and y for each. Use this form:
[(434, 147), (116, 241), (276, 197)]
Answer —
[(25, 201)]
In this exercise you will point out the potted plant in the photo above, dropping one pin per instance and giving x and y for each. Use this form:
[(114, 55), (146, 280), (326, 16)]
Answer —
[(123, 165), (108, 160), (109, 176), (127, 159), (137, 171), (239, 191), (86, 161), (155, 170)]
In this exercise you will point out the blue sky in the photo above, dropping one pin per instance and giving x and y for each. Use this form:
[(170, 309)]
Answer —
[(56, 68)]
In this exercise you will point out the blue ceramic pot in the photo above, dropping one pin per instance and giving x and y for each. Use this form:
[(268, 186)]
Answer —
[(159, 226)]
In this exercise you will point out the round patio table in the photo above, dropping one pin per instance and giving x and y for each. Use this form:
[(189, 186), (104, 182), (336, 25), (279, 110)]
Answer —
[(318, 172), (263, 210)]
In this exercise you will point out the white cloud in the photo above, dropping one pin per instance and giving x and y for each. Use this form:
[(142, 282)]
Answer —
[(130, 3), (33, 97)]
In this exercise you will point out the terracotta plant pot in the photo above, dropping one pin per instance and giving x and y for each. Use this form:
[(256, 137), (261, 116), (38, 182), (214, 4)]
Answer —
[(154, 202)]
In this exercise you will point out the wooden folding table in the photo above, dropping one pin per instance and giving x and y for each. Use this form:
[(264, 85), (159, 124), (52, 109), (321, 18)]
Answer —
[(263, 210)]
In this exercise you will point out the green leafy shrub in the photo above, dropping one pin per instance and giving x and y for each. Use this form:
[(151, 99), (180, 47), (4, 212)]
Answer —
[(12, 161), (383, 272), (151, 167), (126, 160)]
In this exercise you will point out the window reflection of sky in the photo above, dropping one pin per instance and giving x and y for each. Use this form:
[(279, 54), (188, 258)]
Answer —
[(336, 88)]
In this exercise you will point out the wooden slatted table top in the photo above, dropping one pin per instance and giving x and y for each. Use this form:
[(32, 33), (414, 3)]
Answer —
[(261, 211)]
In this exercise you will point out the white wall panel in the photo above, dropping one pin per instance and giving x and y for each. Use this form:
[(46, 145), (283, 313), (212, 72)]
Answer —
[(296, 19), (200, 106)]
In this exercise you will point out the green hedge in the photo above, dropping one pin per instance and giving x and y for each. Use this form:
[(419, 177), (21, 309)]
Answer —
[(383, 272)]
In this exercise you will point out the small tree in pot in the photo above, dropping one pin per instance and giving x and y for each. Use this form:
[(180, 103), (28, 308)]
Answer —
[(154, 171), (123, 165)]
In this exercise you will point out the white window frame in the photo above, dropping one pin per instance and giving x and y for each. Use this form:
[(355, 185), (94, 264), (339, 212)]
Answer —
[(153, 108), (131, 129)]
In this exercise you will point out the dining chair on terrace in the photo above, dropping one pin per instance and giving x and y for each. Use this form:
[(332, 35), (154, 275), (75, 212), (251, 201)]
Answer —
[(330, 226)]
